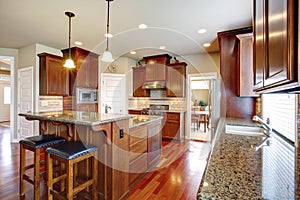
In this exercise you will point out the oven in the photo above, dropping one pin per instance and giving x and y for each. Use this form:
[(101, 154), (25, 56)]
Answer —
[(158, 110)]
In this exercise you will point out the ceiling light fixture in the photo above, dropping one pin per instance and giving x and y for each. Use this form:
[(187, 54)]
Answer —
[(107, 56), (69, 62), (162, 47), (142, 26), (203, 30), (132, 52), (78, 43), (206, 44)]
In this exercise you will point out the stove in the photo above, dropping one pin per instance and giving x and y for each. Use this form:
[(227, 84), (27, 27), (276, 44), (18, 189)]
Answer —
[(158, 110)]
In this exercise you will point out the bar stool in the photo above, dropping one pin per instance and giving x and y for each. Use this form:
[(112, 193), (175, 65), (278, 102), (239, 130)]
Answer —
[(71, 153), (36, 144)]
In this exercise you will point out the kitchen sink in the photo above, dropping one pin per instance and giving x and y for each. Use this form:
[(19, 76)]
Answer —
[(236, 129)]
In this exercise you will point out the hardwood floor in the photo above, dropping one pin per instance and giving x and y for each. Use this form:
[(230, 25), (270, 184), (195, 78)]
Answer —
[(177, 176)]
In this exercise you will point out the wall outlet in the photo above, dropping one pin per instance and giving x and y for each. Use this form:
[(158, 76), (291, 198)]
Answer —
[(121, 133)]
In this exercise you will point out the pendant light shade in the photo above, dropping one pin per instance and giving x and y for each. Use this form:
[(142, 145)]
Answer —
[(107, 56), (69, 62)]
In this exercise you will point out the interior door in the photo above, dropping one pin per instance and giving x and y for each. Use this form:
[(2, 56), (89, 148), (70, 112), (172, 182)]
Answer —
[(113, 95), (4, 101), (25, 101)]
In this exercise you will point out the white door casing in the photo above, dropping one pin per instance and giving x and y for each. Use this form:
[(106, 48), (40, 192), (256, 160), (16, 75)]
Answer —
[(113, 93), (25, 101)]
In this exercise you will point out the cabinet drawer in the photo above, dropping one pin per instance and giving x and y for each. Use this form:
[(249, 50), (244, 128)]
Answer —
[(137, 134), (137, 168), (173, 116), (137, 149)]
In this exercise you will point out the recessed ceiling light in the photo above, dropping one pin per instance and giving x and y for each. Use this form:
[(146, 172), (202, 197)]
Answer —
[(2, 68), (206, 44), (132, 52), (202, 30), (142, 26), (109, 35), (162, 47), (78, 43)]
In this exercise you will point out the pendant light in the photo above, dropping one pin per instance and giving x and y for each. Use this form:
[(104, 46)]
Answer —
[(69, 62), (107, 56)]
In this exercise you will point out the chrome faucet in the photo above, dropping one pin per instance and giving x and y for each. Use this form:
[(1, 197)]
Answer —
[(267, 132), (265, 125), (106, 108)]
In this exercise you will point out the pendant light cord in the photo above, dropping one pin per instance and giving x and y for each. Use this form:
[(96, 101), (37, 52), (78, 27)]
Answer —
[(107, 25), (69, 37)]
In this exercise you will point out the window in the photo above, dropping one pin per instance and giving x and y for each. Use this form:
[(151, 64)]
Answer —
[(281, 109), (7, 97)]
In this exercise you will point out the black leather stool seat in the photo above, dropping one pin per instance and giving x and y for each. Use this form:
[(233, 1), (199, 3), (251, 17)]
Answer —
[(71, 150), (41, 141)]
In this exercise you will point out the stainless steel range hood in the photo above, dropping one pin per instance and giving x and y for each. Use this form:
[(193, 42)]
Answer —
[(154, 85)]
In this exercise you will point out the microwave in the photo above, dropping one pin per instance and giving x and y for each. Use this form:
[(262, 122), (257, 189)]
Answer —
[(86, 96)]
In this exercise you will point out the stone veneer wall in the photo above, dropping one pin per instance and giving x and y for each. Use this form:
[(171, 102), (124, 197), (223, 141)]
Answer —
[(174, 103), (297, 145)]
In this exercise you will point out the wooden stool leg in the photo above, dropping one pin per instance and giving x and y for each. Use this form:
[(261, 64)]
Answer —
[(22, 171), (49, 176), (69, 170), (95, 176), (37, 176)]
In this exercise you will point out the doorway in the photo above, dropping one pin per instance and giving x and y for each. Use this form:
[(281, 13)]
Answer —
[(113, 93), (200, 110)]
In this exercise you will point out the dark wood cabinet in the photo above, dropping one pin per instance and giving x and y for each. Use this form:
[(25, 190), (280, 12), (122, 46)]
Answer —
[(156, 67), (54, 78), (134, 112), (176, 79), (275, 39), (86, 73), (139, 77), (245, 65), (171, 129), (236, 106)]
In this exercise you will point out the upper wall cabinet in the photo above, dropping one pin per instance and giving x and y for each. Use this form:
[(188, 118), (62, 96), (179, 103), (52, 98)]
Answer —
[(245, 65), (86, 73), (139, 76), (54, 78), (156, 67), (275, 48), (176, 77)]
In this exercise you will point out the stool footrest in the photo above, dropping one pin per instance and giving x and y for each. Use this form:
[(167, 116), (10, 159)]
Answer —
[(83, 186), (59, 178), (28, 179)]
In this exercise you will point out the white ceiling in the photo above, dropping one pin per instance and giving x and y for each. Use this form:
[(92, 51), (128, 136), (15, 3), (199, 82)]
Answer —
[(172, 23)]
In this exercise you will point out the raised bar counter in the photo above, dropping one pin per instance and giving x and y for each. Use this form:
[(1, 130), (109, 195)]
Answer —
[(110, 132)]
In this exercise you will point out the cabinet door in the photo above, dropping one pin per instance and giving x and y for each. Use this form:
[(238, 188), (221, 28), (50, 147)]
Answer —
[(82, 68), (176, 81), (92, 72), (54, 78), (259, 44), (139, 75), (171, 129), (280, 67), (154, 143)]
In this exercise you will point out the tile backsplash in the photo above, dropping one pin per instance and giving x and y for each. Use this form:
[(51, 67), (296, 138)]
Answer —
[(50, 103), (174, 103)]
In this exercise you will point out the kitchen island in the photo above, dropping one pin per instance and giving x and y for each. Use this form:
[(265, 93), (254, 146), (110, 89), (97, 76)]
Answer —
[(110, 132), (240, 168)]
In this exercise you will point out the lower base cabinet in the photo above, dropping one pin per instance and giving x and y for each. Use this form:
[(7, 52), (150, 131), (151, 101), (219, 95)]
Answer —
[(171, 129), (144, 150)]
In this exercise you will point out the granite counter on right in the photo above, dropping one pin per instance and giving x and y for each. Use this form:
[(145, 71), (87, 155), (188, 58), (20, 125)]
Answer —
[(236, 169)]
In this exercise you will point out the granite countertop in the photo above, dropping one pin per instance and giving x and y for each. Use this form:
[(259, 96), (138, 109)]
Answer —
[(77, 117), (139, 120), (234, 169)]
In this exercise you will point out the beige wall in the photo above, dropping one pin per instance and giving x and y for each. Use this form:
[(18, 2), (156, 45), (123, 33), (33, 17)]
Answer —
[(201, 94)]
